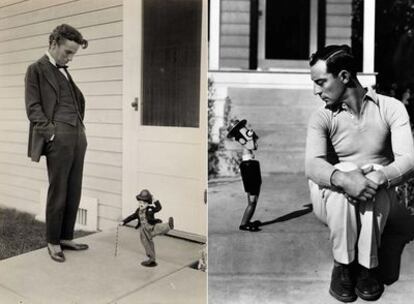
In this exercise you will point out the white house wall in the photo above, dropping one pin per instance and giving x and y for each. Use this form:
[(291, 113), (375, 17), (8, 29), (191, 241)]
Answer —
[(24, 30), (235, 30), (338, 22), (234, 34)]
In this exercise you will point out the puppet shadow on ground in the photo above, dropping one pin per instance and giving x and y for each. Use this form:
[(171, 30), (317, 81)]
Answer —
[(289, 216), (398, 231)]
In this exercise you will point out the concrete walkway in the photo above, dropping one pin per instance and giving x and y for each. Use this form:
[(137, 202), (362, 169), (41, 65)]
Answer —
[(97, 276), (290, 260)]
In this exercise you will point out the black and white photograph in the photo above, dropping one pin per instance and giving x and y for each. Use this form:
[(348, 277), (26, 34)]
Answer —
[(206, 151), (103, 170), (311, 153)]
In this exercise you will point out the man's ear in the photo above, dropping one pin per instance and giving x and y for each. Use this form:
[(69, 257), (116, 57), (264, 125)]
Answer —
[(344, 76), (53, 45)]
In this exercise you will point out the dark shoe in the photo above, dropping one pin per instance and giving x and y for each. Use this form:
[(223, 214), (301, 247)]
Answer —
[(74, 246), (149, 263), (250, 227), (342, 283), (368, 286), (171, 223), (56, 256)]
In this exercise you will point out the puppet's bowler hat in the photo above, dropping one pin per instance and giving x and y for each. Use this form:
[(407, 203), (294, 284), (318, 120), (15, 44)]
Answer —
[(235, 126), (145, 196)]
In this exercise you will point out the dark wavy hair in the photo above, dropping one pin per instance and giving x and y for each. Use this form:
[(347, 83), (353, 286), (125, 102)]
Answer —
[(337, 58), (65, 31)]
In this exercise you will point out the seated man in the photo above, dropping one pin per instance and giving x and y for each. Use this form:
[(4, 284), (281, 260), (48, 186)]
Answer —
[(359, 147)]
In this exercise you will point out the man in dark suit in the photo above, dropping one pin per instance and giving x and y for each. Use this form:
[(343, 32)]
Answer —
[(55, 107)]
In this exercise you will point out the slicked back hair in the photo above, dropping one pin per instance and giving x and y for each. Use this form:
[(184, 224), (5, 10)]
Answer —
[(65, 31), (337, 58)]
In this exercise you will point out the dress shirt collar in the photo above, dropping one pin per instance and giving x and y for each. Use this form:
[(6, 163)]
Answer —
[(369, 95), (51, 59)]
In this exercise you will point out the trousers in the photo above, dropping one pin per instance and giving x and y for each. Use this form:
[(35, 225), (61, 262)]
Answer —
[(64, 159), (354, 229), (147, 234)]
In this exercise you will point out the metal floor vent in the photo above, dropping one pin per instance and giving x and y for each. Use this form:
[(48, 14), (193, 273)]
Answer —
[(87, 216), (82, 217)]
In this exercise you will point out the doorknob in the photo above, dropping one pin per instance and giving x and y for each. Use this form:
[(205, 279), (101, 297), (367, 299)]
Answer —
[(134, 104)]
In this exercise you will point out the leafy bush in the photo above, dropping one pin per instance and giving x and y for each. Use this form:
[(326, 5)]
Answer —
[(219, 159)]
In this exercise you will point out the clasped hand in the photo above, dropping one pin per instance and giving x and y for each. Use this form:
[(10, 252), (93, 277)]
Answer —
[(359, 185)]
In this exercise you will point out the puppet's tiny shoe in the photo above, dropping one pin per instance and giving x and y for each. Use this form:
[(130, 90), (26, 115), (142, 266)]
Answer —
[(249, 227), (149, 263), (73, 246), (171, 223), (256, 223)]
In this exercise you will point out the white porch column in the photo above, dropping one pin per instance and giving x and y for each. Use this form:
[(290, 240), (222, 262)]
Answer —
[(369, 36), (214, 44)]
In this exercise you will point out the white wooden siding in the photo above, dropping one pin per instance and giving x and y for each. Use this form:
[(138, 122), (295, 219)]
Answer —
[(234, 34), (338, 22), (24, 30)]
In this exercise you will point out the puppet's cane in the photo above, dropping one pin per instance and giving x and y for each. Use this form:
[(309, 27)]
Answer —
[(116, 240)]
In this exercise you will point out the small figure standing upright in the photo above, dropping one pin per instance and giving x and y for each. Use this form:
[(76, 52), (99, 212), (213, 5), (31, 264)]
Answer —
[(249, 170), (150, 226)]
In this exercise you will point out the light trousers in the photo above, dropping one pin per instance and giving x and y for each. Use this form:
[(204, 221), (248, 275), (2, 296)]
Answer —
[(353, 228), (147, 233)]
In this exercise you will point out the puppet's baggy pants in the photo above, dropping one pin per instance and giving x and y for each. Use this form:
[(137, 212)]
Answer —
[(147, 233), (353, 227)]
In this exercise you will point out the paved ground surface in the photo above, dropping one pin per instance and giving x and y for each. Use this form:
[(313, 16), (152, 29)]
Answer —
[(290, 260), (97, 276)]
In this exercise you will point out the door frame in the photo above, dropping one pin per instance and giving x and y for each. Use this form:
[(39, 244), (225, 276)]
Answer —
[(132, 83), (272, 64)]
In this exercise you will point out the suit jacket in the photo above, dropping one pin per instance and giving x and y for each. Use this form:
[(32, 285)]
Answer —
[(151, 210), (41, 97)]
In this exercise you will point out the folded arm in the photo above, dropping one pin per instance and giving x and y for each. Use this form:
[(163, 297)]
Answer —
[(354, 183)]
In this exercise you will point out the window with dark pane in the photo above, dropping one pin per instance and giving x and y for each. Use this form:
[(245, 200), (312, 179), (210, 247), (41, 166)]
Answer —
[(171, 62), (287, 29)]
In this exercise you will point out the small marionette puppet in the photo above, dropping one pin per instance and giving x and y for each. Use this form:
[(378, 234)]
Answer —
[(249, 170), (150, 226)]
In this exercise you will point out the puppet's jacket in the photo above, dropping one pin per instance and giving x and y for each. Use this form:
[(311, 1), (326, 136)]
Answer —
[(151, 210)]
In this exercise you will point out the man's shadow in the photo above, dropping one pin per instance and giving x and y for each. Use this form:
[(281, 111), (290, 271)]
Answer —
[(398, 231), (289, 216)]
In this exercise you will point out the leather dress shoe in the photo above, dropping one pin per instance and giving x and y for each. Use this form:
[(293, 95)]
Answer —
[(368, 286), (149, 263), (342, 285), (56, 256), (74, 246)]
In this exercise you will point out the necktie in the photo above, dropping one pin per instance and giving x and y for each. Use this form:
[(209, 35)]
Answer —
[(65, 68)]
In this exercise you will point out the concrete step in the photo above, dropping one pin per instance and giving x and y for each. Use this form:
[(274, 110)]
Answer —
[(97, 276), (169, 290)]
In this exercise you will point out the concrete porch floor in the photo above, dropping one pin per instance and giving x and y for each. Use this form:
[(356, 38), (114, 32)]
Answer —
[(97, 276), (290, 260)]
